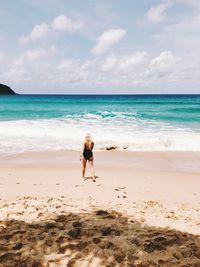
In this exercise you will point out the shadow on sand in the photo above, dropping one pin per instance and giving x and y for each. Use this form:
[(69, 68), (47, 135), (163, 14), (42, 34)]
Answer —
[(96, 239), (90, 178)]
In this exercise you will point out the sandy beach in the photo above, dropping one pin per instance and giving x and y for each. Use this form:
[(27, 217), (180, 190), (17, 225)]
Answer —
[(117, 82), (143, 209)]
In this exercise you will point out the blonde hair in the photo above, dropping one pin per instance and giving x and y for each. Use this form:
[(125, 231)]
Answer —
[(88, 141)]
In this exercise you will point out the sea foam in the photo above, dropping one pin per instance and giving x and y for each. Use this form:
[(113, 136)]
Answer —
[(120, 129)]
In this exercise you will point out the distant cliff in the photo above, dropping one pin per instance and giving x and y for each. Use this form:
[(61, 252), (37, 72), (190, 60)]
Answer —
[(6, 90)]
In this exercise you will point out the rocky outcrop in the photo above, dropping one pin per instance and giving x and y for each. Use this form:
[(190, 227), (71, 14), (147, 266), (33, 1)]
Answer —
[(112, 147), (6, 90)]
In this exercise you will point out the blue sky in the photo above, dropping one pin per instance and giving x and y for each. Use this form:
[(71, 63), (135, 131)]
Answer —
[(88, 46)]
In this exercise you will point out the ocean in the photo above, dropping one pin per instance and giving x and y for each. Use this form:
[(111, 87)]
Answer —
[(137, 122)]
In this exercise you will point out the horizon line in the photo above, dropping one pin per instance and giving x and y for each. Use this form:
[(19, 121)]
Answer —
[(114, 94)]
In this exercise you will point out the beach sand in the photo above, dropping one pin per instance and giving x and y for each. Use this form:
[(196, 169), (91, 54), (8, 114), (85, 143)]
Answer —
[(143, 209)]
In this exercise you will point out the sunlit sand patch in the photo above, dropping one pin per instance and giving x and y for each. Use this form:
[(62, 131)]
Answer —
[(75, 259)]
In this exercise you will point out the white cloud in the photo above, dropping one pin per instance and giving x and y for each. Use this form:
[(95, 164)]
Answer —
[(30, 67), (124, 63), (131, 72), (193, 3), (183, 35), (157, 14), (63, 23), (137, 69), (39, 31), (132, 60), (71, 71), (163, 64), (15, 74), (107, 40), (109, 63), (33, 55)]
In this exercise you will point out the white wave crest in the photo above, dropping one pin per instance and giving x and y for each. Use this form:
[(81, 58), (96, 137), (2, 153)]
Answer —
[(68, 133)]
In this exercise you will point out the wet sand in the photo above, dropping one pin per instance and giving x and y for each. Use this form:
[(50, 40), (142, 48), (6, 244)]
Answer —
[(150, 203)]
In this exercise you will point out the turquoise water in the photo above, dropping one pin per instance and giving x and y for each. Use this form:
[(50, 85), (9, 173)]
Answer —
[(172, 108), (141, 122)]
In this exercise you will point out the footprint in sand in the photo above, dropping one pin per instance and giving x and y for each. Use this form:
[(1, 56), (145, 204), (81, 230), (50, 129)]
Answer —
[(122, 193)]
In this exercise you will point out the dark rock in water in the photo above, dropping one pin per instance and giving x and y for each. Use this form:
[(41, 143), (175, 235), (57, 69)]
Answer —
[(6, 90), (111, 147)]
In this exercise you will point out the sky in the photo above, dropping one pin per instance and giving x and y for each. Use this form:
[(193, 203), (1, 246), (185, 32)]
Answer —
[(100, 46)]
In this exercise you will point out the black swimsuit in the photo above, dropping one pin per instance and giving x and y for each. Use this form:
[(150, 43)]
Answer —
[(87, 153)]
